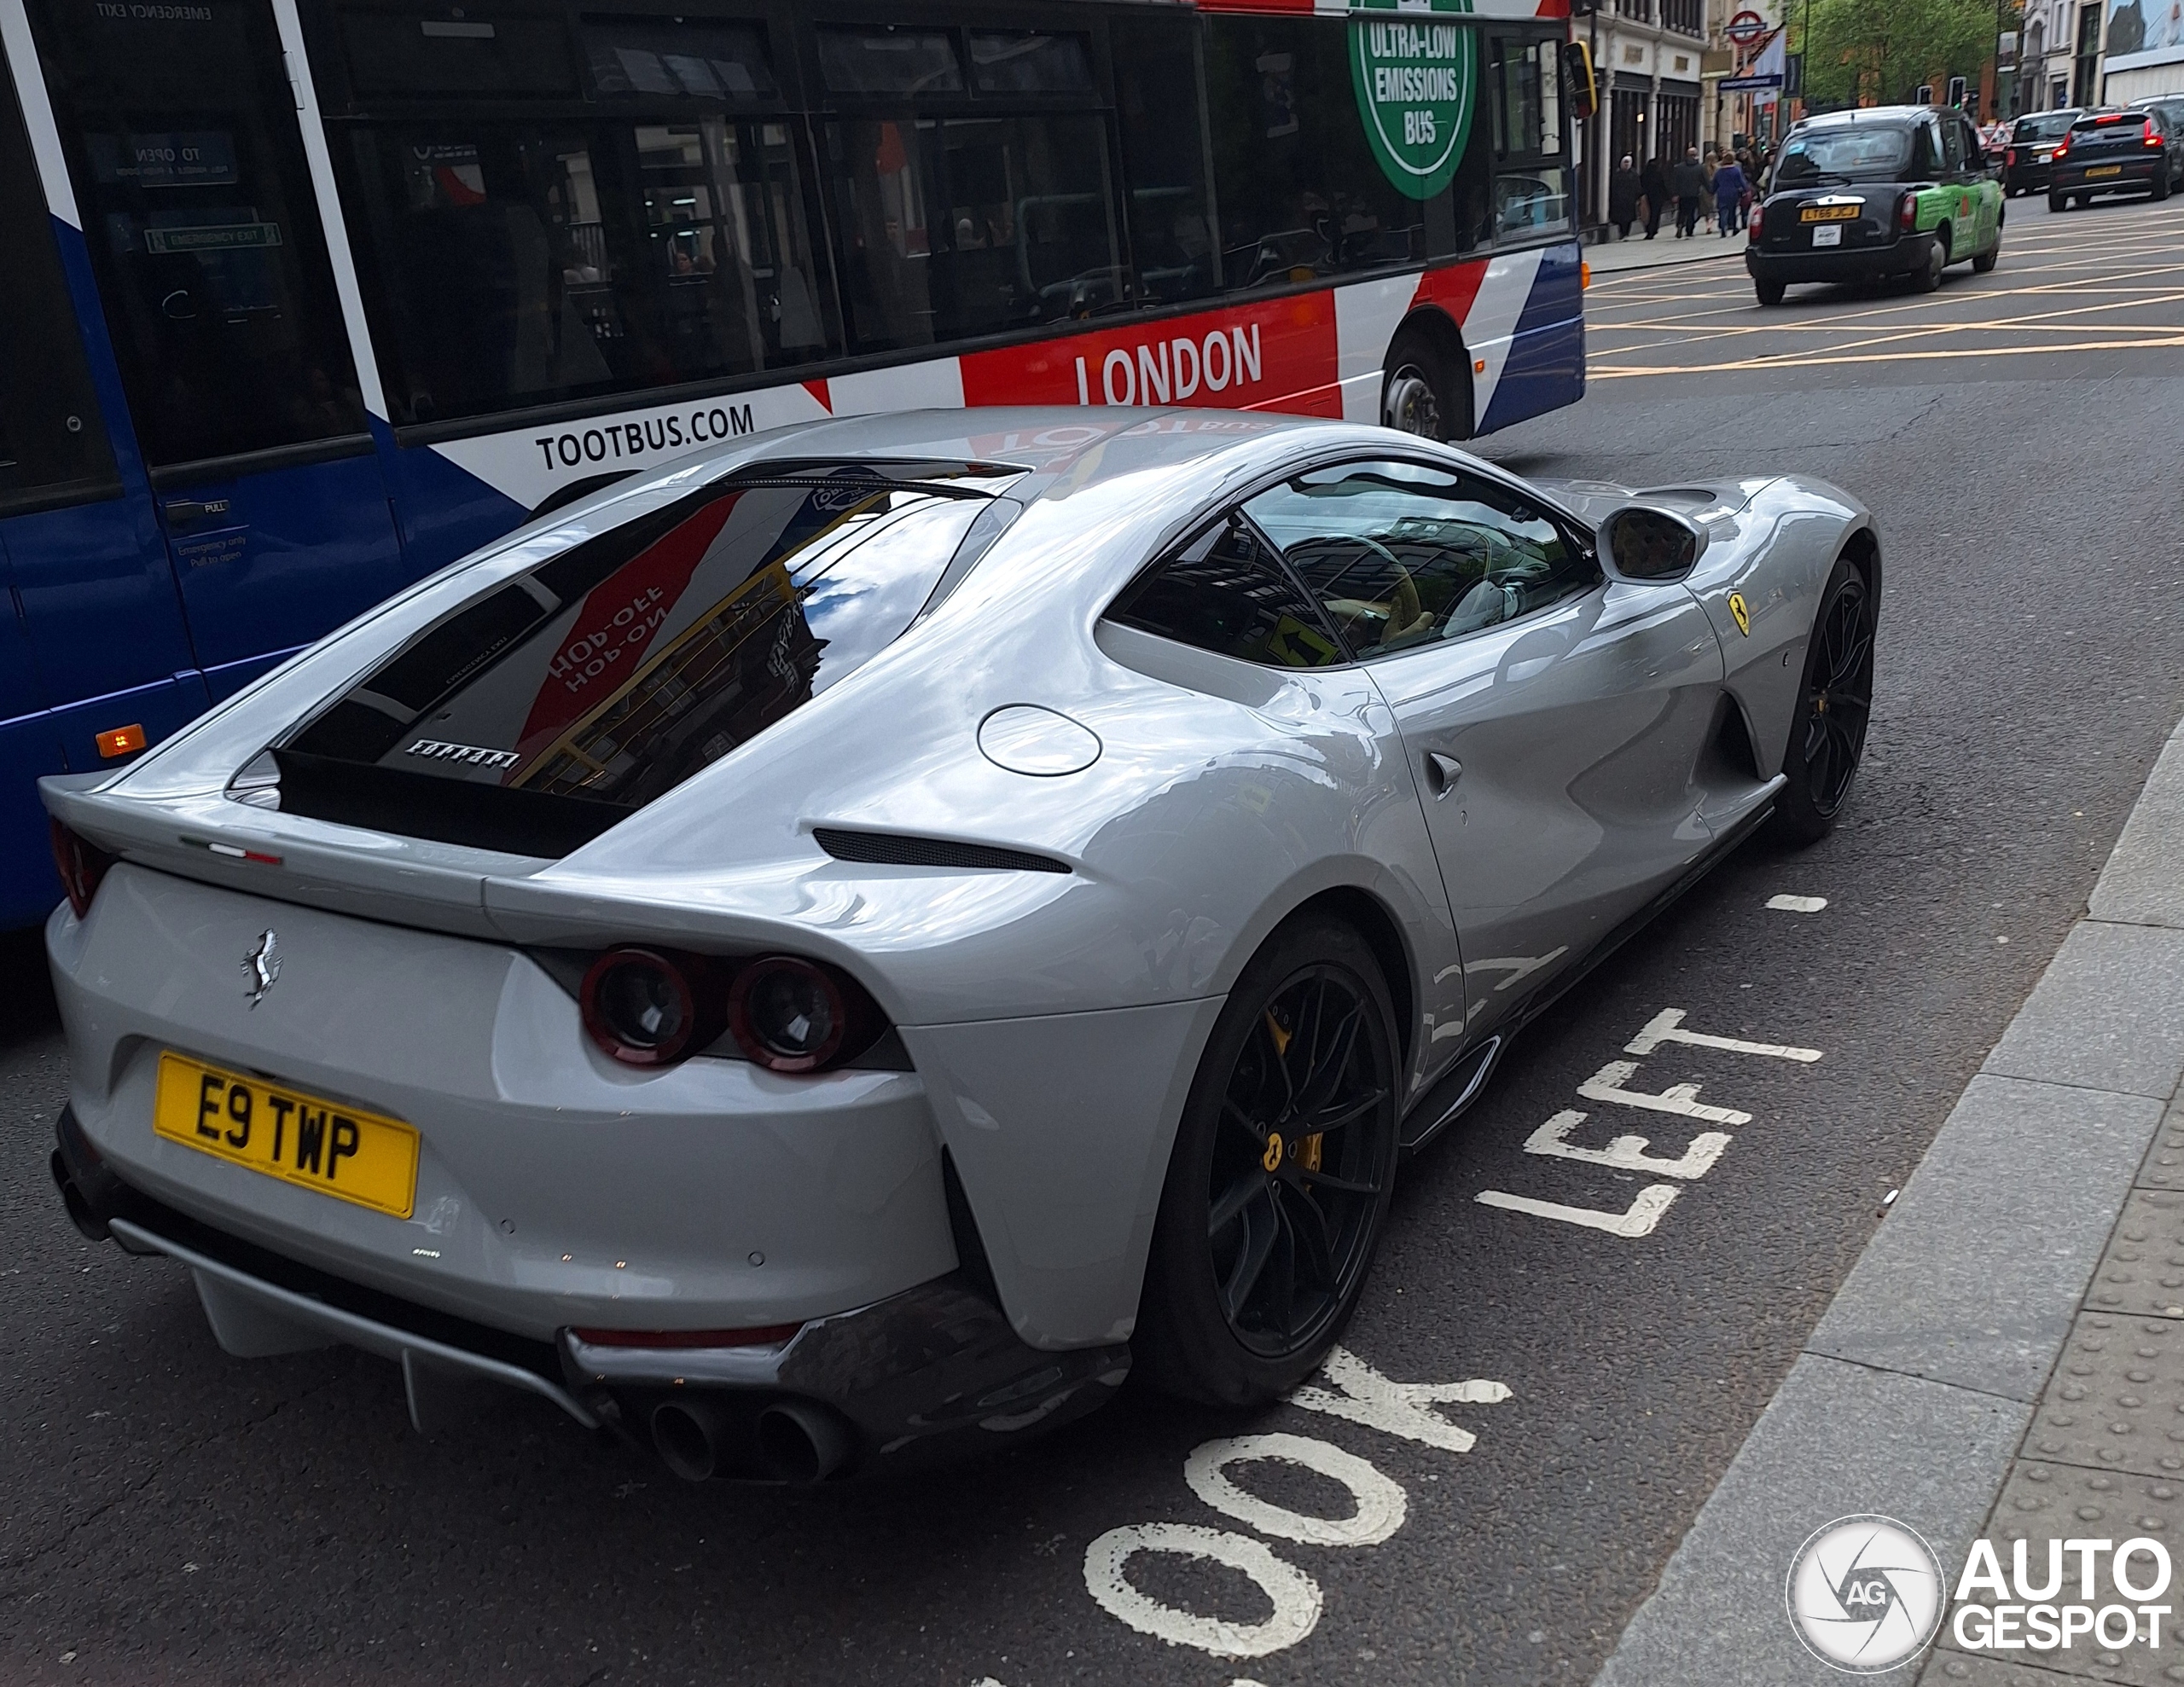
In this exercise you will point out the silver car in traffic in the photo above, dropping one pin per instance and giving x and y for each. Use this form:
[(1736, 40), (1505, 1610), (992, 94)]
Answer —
[(831, 952)]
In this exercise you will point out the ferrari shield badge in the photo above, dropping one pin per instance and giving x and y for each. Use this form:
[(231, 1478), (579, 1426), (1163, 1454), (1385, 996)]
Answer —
[(1739, 608)]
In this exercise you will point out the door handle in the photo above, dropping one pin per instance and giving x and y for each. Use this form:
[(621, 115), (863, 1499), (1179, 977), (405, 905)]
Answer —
[(188, 511), (1442, 773)]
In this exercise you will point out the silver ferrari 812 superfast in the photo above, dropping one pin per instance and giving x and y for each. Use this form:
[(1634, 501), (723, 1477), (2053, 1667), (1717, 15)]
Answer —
[(837, 950)]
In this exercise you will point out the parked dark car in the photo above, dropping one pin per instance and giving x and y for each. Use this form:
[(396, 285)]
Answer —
[(2127, 150), (1884, 193), (2032, 143)]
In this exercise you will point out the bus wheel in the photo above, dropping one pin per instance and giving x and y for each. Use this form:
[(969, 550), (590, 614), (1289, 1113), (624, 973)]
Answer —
[(1424, 393)]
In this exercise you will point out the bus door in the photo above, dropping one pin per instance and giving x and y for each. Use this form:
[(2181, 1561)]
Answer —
[(180, 128), (94, 662)]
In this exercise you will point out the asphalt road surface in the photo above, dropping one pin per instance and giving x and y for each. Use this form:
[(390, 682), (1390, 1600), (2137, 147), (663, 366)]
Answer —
[(167, 1513)]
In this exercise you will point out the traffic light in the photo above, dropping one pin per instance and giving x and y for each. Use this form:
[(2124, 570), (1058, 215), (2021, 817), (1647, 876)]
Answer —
[(1924, 96), (1956, 92)]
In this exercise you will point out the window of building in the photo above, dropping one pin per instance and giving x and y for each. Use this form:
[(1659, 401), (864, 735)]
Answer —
[(1400, 555)]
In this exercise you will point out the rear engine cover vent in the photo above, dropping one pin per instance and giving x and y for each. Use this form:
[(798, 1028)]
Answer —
[(886, 849)]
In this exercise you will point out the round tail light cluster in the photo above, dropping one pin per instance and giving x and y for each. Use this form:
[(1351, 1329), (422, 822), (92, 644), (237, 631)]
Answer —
[(651, 1007)]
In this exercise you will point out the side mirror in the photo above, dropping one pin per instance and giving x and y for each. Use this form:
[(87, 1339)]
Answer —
[(1650, 546)]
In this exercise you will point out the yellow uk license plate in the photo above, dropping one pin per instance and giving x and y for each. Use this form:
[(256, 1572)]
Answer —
[(1829, 213), (327, 1146), (2105, 170)]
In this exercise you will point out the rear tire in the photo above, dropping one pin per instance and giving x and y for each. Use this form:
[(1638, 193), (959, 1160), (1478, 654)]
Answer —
[(1770, 293), (1985, 261), (1827, 735), (1253, 1270), (2058, 201), (1424, 390), (1928, 276), (2161, 184)]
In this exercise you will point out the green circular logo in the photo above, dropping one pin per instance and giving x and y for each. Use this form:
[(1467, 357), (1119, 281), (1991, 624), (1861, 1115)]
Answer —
[(1417, 86)]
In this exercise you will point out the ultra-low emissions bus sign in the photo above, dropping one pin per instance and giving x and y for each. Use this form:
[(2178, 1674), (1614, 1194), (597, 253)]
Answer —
[(1417, 81)]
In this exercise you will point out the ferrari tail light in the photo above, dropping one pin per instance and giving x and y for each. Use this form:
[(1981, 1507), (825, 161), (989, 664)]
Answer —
[(81, 864), (788, 1015), (649, 1007), (654, 1007)]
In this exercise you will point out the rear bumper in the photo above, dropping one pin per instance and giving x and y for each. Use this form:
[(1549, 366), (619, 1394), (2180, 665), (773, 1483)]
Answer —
[(931, 1373), (2132, 173), (1904, 257), (2026, 178)]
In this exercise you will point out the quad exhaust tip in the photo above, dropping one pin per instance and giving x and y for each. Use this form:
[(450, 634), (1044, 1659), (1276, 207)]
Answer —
[(790, 1442)]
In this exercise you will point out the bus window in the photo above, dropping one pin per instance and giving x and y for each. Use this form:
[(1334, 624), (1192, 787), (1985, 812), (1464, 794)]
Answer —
[(955, 227), (715, 61), (509, 266), (181, 137), (468, 52), (1532, 177), (1163, 154), (53, 442), (1301, 195)]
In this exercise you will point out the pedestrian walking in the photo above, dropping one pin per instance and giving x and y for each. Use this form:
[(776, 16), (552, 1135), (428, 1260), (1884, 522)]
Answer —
[(1654, 180), (1688, 181), (1729, 187), (1707, 166), (1623, 191)]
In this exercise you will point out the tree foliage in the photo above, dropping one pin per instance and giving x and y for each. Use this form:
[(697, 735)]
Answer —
[(1880, 49)]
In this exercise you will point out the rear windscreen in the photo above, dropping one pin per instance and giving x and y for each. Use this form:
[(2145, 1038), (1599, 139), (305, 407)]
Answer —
[(545, 709), (2110, 122), (1848, 154)]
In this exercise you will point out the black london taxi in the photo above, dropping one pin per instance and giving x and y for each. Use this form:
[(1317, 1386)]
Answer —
[(1879, 194)]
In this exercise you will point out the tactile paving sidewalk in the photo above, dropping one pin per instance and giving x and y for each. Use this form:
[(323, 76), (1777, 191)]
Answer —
[(2105, 1454)]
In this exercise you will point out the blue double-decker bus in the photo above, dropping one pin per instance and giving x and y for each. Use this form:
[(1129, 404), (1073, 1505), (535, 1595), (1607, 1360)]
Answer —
[(304, 298)]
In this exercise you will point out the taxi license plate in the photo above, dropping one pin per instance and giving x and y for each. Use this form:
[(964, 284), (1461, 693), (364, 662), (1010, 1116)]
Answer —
[(1829, 213), (1830, 235), (2105, 170), (327, 1146)]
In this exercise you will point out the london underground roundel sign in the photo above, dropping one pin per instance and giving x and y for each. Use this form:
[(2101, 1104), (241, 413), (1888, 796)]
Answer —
[(1417, 83)]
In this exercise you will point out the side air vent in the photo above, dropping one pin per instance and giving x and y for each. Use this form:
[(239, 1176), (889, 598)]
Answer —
[(888, 849)]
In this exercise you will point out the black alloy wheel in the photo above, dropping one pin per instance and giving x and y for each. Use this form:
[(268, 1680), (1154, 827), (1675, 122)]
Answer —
[(1283, 1167), (1828, 737)]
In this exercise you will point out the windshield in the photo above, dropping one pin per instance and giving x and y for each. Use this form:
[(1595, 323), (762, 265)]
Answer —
[(2045, 127), (1869, 153), (537, 715)]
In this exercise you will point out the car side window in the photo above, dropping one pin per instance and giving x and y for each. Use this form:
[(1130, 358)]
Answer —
[(1400, 555), (1227, 593), (1952, 139)]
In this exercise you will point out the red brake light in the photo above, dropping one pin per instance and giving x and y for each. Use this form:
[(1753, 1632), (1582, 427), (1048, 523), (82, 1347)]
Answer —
[(2010, 156), (2061, 146), (787, 1015), (648, 1007), (1907, 214), (1758, 216), (2150, 137), (81, 864)]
